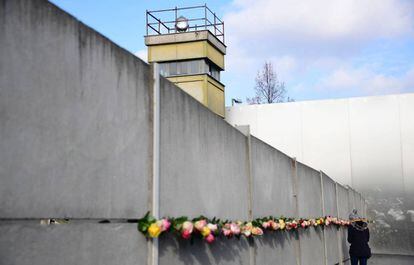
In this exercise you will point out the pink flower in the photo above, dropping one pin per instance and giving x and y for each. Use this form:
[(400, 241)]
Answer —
[(234, 228), (226, 232), (200, 224), (275, 226), (165, 224), (186, 234), (210, 238), (266, 225), (303, 224)]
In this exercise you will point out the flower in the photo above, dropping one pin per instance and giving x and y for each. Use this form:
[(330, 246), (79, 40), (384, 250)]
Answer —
[(188, 226), (247, 229), (282, 224), (274, 225), (212, 227), (210, 238), (200, 224), (235, 228), (226, 232), (164, 224), (266, 225), (154, 230), (186, 234), (257, 231), (205, 231)]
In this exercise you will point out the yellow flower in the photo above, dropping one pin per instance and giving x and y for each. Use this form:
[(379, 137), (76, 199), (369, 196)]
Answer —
[(154, 230), (282, 224), (205, 231)]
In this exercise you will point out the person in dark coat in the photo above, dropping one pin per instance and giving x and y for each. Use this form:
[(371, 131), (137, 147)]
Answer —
[(358, 237)]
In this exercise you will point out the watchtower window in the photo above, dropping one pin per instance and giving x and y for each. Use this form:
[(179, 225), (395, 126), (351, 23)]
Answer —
[(189, 67)]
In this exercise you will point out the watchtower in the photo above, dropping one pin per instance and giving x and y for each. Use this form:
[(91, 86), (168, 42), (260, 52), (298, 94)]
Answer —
[(188, 44)]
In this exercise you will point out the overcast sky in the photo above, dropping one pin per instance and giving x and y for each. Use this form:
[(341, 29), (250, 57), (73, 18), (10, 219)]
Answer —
[(321, 48)]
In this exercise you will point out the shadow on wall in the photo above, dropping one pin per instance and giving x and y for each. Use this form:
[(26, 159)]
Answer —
[(196, 251), (232, 251), (275, 239)]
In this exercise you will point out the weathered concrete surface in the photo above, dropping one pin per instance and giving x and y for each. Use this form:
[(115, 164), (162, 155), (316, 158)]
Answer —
[(271, 171), (203, 171), (310, 205), (272, 188), (203, 160), (74, 118), (83, 243), (223, 251), (331, 233), (343, 211)]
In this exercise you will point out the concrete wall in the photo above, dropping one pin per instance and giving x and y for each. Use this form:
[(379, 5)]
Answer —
[(366, 143), (76, 142)]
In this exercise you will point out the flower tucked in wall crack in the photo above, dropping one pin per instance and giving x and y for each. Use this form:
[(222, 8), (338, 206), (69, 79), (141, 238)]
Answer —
[(210, 229)]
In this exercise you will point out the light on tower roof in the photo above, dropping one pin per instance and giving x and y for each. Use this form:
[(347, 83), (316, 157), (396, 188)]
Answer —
[(181, 24)]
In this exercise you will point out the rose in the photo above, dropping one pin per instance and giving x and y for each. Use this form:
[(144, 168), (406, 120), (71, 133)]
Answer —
[(210, 238), (303, 224), (282, 224), (212, 227), (187, 225), (247, 229), (235, 228), (154, 230), (186, 234), (205, 231), (200, 224), (227, 232), (266, 225), (274, 225), (164, 224), (257, 231)]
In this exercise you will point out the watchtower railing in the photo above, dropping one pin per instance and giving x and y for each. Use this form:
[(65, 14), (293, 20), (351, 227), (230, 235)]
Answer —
[(163, 21)]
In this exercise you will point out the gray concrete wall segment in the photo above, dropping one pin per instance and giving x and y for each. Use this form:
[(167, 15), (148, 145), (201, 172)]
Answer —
[(273, 195), (224, 251), (344, 243), (311, 246), (272, 181), (75, 134), (329, 195), (276, 248), (343, 198), (309, 186), (27, 243), (332, 250), (201, 155)]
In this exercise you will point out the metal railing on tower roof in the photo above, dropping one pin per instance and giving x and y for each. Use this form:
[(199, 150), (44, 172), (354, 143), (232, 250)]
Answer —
[(199, 18)]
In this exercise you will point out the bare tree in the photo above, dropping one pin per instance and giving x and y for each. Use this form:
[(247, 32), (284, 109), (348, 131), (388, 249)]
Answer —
[(268, 88)]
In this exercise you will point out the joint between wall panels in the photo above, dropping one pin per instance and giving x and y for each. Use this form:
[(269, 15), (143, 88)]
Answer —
[(155, 189), (323, 214), (295, 194), (338, 232), (252, 249)]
